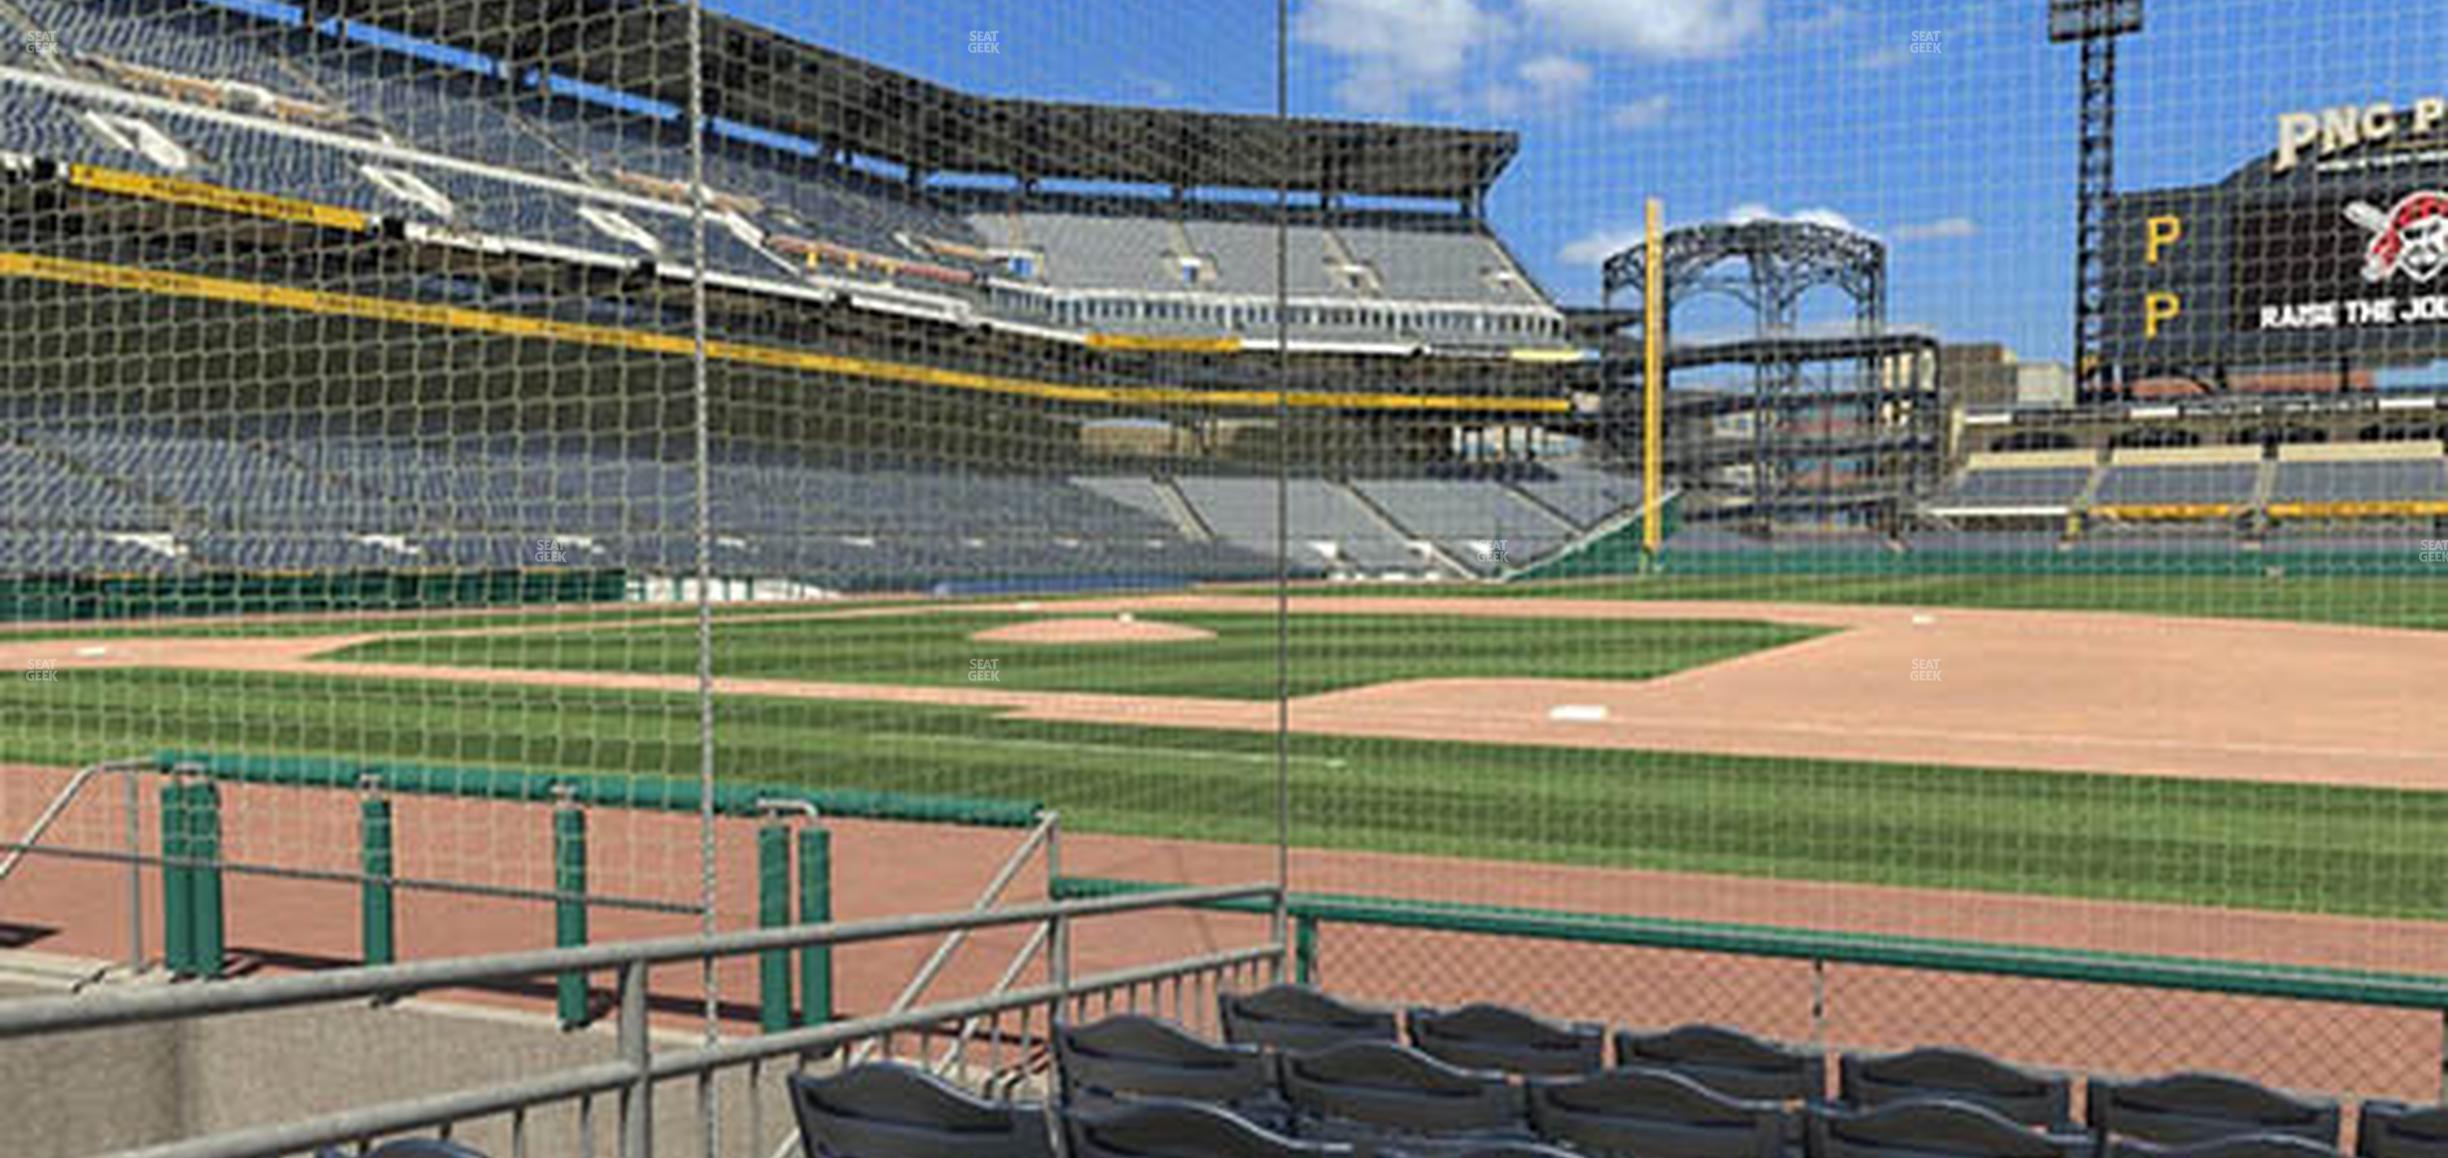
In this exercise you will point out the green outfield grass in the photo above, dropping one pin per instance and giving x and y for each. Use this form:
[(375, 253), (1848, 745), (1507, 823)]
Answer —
[(2371, 601), (2375, 601), (2262, 846), (340, 623), (1328, 652)]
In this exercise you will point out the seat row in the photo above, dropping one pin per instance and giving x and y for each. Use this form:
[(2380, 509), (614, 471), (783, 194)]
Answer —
[(1286, 1019), (1300, 1070), (1369, 1100), (1301, 1073)]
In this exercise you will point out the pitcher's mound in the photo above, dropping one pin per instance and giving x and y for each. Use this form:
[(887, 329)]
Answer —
[(1113, 629)]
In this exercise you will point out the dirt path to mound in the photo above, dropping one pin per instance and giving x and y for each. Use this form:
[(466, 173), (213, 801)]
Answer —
[(2077, 692), (1118, 628)]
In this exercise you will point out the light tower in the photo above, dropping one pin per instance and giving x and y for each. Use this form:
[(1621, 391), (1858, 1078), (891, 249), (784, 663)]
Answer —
[(2096, 25)]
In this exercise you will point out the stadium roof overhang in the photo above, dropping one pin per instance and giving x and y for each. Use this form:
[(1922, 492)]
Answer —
[(759, 76)]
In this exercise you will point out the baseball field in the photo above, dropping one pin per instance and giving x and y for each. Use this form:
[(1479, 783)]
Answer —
[(2097, 737)]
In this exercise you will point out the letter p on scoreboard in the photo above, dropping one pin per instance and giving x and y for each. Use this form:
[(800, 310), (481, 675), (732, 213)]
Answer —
[(2162, 233)]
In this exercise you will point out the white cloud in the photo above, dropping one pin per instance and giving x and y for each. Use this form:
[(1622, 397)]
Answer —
[(1543, 86), (1597, 247), (1555, 79), (1398, 51), (1512, 57), (1751, 211), (1943, 229), (1657, 29), (1546, 85), (1645, 113)]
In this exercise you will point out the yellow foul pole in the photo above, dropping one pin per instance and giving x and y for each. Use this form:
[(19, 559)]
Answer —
[(1653, 385)]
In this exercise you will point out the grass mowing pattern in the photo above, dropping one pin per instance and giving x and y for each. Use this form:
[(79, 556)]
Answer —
[(2373, 601), (2369, 601), (1329, 652), (2301, 848)]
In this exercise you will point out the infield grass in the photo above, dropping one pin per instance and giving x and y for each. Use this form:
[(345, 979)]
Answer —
[(933, 648)]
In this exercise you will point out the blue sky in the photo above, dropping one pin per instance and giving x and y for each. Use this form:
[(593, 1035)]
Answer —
[(1943, 126)]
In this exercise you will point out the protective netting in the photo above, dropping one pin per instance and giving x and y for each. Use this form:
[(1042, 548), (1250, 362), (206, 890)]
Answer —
[(1937, 474)]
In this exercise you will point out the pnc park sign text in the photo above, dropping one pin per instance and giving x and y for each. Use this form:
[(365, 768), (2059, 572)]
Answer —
[(2335, 132)]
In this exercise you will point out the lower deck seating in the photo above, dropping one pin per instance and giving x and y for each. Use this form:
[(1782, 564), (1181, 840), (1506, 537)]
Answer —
[(1325, 523), (83, 492)]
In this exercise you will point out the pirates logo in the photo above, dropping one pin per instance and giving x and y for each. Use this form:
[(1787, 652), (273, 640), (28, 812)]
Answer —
[(2412, 238)]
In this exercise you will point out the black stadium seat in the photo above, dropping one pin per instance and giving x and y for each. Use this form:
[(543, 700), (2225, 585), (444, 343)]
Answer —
[(1496, 1037), (1933, 1128), (889, 1110), (1729, 1061), (2396, 1130), (2232, 1146), (1381, 1092), (2027, 1096), (1295, 1017), (1652, 1113), (2198, 1107), (408, 1148), (1500, 1150), (1171, 1128), (1130, 1056)]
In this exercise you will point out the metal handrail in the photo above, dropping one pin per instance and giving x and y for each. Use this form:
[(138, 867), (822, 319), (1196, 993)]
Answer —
[(637, 1069), (50, 814), (813, 1039), (97, 1010), (952, 941)]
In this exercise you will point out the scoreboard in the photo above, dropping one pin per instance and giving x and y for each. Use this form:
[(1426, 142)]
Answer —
[(2321, 252)]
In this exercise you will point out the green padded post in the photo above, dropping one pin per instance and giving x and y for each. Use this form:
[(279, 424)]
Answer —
[(773, 912), (815, 908), (570, 915), (178, 910), (378, 925), (204, 840), (1304, 949)]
